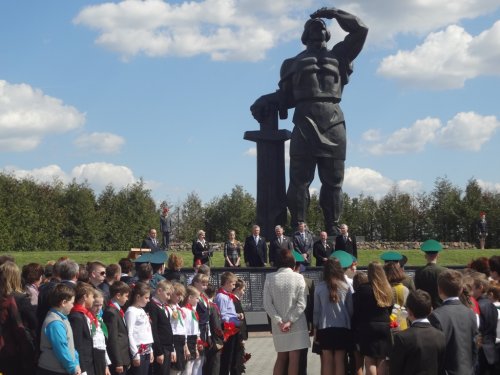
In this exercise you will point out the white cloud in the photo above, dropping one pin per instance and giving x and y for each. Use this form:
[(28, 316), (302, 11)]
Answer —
[(408, 140), (387, 18), (252, 151), (466, 131), (223, 29), (489, 186), (446, 59), (27, 115), (370, 182), (106, 143), (371, 135), (98, 175)]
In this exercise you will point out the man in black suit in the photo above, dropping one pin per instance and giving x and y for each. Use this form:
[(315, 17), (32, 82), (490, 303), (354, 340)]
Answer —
[(277, 243), (150, 242), (345, 241), (458, 324), (303, 242), (255, 249), (419, 349), (322, 249)]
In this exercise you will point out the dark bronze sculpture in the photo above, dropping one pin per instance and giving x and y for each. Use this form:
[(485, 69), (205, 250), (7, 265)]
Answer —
[(312, 82)]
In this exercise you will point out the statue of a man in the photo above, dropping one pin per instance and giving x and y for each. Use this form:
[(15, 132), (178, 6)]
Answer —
[(313, 82)]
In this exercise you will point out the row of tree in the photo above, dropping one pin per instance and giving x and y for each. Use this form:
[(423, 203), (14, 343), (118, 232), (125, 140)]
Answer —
[(57, 216)]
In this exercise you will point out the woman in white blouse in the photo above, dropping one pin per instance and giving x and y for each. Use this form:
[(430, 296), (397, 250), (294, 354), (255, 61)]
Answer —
[(285, 302)]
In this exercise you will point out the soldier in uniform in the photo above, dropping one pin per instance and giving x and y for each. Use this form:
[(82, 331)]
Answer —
[(482, 230), (313, 82), (427, 276)]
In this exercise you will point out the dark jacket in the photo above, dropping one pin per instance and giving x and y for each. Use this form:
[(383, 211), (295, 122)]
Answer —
[(275, 247), (459, 326), (304, 245), (117, 344), (419, 350), (83, 341), (320, 251), (198, 249), (349, 245), (162, 330), (255, 254), (426, 279)]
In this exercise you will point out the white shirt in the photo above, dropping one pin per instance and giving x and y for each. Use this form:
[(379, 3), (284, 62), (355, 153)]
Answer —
[(139, 329)]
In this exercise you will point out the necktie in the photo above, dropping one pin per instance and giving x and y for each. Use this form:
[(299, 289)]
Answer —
[(256, 240), (280, 240)]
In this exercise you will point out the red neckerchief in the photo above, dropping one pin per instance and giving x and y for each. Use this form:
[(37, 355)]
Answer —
[(82, 309), (204, 298), (161, 305), (230, 295), (194, 313), (120, 310)]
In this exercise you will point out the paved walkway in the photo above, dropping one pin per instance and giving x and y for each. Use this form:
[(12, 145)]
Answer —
[(260, 345)]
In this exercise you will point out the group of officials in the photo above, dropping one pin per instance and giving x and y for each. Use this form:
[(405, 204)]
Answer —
[(255, 250)]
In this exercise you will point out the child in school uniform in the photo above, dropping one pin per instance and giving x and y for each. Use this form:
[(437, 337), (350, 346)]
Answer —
[(200, 282), (193, 363), (101, 358), (114, 317), (177, 318), (140, 335), (212, 364), (159, 314), (83, 324), (57, 348), (242, 336), (224, 300)]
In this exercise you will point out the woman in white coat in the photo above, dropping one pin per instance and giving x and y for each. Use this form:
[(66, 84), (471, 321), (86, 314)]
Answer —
[(285, 302)]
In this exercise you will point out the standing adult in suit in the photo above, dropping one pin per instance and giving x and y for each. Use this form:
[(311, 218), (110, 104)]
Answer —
[(427, 276), (255, 249), (165, 227), (201, 249), (458, 324), (150, 242), (345, 241), (303, 242), (482, 230), (419, 349), (322, 249), (280, 241)]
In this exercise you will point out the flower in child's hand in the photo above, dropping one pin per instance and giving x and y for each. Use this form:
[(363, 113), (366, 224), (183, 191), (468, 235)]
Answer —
[(246, 357)]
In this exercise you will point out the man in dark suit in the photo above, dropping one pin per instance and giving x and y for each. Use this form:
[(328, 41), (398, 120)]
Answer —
[(419, 349), (427, 276), (322, 249), (277, 243), (458, 324), (345, 241), (255, 249), (150, 242), (303, 242), (165, 227)]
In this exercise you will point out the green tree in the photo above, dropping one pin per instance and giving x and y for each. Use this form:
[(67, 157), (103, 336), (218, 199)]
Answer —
[(191, 217), (445, 211)]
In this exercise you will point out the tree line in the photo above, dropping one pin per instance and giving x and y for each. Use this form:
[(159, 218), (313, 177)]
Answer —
[(72, 217)]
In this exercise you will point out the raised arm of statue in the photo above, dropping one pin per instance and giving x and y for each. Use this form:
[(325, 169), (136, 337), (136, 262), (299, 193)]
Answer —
[(356, 29)]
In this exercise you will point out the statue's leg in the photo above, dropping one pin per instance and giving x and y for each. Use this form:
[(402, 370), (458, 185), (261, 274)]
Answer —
[(331, 174), (301, 175)]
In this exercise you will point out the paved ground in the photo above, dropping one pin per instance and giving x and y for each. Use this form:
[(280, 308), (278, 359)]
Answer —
[(260, 345)]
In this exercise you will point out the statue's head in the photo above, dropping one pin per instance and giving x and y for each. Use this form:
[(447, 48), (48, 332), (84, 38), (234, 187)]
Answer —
[(314, 29)]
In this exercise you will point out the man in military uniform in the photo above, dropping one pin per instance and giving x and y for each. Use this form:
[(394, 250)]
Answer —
[(313, 82), (427, 276)]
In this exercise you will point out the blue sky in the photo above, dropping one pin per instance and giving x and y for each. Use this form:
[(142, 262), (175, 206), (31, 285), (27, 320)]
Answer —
[(110, 92)]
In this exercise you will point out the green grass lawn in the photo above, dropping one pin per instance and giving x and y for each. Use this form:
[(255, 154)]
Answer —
[(415, 257)]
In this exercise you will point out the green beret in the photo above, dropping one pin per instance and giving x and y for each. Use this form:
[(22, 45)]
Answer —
[(391, 256), (343, 257), (158, 257), (431, 246), (144, 258)]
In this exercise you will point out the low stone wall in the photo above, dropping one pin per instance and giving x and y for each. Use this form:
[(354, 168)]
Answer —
[(365, 245)]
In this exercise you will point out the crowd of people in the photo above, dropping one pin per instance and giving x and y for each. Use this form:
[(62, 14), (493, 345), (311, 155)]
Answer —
[(145, 317), (443, 321), (124, 318)]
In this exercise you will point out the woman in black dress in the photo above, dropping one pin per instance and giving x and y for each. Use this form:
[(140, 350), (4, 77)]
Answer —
[(372, 308), (232, 251)]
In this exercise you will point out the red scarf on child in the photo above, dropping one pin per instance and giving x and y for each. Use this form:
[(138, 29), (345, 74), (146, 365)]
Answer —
[(230, 295), (82, 309), (120, 310), (194, 313)]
